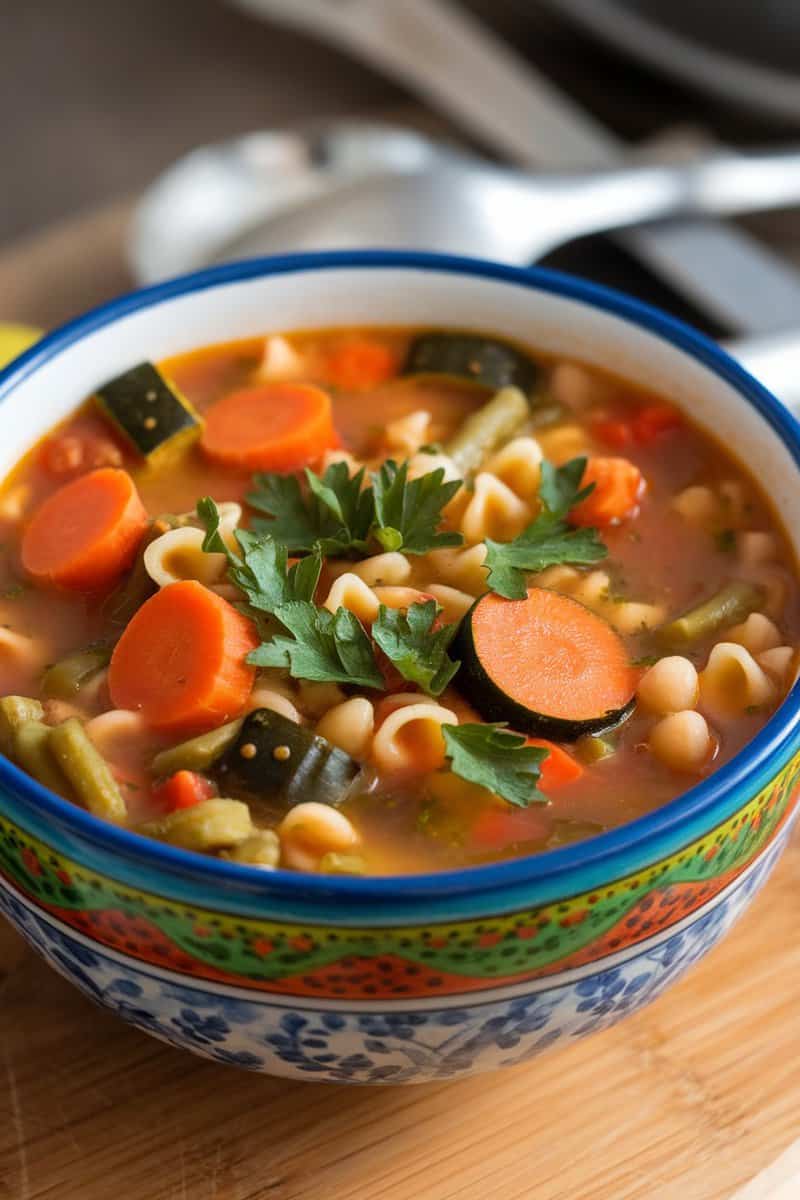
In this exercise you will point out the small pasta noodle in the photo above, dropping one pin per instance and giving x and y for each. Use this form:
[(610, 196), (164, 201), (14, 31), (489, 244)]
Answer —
[(755, 547), (698, 505), (453, 603), (349, 726), (280, 361), (462, 569), (518, 466), (756, 633), (275, 701), (493, 511), (560, 443), (779, 663), (775, 581), (388, 569), (330, 457), (682, 741), (311, 830), (314, 698), (22, 652), (351, 592), (403, 437), (577, 387), (410, 737), (178, 554), (594, 589), (423, 463), (733, 681)]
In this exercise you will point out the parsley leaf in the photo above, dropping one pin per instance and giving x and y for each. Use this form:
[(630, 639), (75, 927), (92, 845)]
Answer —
[(320, 645), (262, 575), (547, 540), (408, 511), (337, 514), (419, 654), (495, 758), (560, 487)]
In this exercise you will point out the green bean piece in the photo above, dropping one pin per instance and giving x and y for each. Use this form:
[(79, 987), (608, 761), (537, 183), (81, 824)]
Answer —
[(14, 712), (65, 678), (33, 752), (341, 864), (261, 849), (215, 824), (87, 771), (198, 754), (591, 749), (492, 425), (731, 604)]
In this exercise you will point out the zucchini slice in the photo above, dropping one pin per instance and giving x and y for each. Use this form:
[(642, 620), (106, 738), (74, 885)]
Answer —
[(272, 756), (487, 362), (546, 664), (147, 410)]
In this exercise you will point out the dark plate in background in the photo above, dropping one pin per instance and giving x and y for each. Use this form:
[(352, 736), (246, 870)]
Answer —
[(747, 51)]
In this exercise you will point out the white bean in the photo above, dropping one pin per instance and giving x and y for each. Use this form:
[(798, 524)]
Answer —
[(349, 726), (681, 741), (669, 686)]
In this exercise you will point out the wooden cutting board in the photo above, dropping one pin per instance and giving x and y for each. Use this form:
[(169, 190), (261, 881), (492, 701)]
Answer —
[(689, 1100)]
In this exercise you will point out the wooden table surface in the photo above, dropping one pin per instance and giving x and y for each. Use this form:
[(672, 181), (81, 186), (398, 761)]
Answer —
[(689, 1100)]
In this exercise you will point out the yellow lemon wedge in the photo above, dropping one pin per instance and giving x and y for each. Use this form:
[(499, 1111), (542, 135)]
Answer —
[(14, 339)]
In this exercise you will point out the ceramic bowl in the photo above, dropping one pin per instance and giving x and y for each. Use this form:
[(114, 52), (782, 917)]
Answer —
[(388, 980)]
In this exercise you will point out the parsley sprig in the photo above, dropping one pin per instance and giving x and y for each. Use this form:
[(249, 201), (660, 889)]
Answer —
[(408, 511), (495, 758), (549, 539), (316, 644), (319, 645), (262, 574), (420, 655), (336, 515), (344, 516)]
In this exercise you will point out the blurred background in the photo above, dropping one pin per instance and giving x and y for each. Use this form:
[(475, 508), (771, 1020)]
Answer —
[(99, 97)]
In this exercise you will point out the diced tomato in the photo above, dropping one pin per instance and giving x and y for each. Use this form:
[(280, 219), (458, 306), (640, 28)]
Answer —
[(68, 454), (496, 828), (360, 363), (558, 768), (614, 432), (184, 789), (654, 421)]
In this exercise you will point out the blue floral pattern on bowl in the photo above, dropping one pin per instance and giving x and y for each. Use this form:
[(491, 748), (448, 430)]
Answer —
[(391, 1044)]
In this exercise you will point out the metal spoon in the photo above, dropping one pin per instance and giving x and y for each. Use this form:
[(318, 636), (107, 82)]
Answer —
[(218, 192), (467, 207)]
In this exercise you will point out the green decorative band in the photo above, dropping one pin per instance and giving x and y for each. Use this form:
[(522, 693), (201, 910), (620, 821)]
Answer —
[(382, 962)]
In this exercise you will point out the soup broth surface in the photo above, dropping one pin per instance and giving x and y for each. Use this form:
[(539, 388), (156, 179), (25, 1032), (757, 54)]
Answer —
[(695, 524)]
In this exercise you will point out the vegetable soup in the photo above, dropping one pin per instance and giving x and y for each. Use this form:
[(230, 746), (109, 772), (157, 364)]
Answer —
[(383, 601)]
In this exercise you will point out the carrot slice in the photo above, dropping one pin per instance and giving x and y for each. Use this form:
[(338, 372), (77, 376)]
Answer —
[(274, 427), (558, 769), (86, 534), (184, 789), (181, 660), (618, 486), (546, 664), (360, 364)]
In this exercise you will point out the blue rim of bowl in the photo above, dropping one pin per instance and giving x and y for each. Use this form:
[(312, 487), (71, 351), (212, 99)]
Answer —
[(532, 869)]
